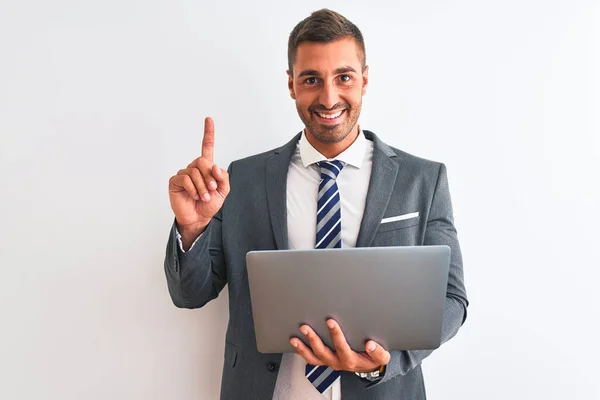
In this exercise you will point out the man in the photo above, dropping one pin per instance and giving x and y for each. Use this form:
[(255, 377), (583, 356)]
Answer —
[(330, 186)]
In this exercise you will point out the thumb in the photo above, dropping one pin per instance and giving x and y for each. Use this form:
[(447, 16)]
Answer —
[(222, 178), (377, 353), (220, 174)]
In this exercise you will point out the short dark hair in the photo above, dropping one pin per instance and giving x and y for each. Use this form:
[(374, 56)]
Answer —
[(324, 26)]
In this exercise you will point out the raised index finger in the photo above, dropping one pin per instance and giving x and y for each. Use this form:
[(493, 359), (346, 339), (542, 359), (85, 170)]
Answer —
[(208, 140)]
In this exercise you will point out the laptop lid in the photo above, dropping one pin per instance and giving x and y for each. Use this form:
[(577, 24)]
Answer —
[(392, 295)]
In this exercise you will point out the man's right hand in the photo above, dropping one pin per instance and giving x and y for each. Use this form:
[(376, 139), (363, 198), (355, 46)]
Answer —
[(198, 191)]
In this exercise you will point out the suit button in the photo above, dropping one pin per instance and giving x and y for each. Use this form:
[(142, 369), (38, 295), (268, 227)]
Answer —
[(272, 367)]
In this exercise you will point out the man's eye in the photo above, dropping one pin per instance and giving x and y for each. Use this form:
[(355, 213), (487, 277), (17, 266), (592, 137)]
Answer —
[(345, 78), (311, 81)]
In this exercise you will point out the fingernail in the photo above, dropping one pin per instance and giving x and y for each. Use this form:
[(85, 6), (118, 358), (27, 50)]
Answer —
[(206, 197), (304, 331), (196, 197), (294, 344), (371, 346), (330, 324), (212, 185)]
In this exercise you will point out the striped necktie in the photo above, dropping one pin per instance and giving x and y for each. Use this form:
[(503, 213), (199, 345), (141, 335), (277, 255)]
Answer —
[(329, 235)]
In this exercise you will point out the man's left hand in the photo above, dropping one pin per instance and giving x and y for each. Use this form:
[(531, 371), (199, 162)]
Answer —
[(344, 358)]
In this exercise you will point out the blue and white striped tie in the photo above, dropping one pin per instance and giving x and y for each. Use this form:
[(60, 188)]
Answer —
[(329, 213), (329, 235)]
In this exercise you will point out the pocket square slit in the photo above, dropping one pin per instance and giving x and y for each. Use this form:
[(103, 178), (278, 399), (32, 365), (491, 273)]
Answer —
[(400, 217)]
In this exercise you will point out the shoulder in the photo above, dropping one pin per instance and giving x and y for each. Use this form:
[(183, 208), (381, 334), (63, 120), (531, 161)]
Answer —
[(253, 162), (407, 162)]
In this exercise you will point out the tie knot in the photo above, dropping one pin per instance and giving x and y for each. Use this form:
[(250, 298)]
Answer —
[(330, 169)]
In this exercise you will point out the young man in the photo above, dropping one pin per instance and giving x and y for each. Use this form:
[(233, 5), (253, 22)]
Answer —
[(330, 186)]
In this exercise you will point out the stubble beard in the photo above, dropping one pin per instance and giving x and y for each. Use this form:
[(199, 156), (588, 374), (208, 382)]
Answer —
[(330, 134)]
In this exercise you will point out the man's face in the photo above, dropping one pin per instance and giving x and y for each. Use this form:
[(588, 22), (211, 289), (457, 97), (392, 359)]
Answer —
[(328, 83)]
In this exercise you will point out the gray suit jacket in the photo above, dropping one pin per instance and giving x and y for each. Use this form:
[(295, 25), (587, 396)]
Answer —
[(253, 217)]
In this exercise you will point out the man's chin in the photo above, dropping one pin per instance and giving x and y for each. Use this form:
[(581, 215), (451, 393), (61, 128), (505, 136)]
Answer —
[(329, 136)]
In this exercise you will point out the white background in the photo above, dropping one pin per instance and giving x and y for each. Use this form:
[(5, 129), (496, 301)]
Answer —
[(101, 102)]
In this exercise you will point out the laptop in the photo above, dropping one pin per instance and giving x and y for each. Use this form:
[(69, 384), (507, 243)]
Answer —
[(392, 295)]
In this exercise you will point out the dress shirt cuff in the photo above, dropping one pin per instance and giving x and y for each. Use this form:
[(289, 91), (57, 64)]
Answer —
[(178, 235)]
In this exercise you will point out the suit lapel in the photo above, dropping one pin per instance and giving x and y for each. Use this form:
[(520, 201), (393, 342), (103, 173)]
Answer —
[(383, 178), (381, 186), (276, 181)]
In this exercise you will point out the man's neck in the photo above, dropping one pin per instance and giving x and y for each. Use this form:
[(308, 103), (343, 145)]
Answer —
[(332, 150)]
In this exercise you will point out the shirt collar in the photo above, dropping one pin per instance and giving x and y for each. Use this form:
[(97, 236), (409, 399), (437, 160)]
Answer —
[(353, 155)]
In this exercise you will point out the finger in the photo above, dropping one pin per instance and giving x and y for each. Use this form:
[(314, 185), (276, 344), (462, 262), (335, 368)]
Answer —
[(208, 140), (378, 354), (318, 347), (184, 182), (198, 181), (194, 163), (204, 166), (348, 358), (222, 178), (305, 352), (190, 187)]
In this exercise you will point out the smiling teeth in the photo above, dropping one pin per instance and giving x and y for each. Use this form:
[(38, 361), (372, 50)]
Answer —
[(332, 116)]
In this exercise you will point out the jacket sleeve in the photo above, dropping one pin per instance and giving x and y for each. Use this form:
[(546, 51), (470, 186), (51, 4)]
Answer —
[(197, 276), (440, 230)]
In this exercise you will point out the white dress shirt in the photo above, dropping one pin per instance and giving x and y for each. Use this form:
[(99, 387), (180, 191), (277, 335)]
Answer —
[(302, 195)]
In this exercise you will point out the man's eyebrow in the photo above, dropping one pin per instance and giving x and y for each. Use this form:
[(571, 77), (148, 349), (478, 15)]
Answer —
[(309, 72), (312, 72), (343, 70)]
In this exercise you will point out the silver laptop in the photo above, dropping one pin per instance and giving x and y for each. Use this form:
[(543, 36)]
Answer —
[(392, 295)]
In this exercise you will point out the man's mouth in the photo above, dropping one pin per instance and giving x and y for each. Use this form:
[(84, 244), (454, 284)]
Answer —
[(329, 118)]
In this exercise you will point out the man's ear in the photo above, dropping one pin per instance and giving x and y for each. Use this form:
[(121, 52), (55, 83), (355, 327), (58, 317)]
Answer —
[(365, 75), (291, 84)]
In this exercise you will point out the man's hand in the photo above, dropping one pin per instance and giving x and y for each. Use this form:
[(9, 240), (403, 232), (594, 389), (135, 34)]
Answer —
[(198, 191), (344, 358)]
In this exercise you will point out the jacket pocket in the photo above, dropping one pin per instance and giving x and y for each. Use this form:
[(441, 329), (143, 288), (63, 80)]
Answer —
[(400, 222)]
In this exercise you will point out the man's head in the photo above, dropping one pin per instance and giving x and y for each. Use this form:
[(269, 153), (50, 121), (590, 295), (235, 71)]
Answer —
[(327, 75)]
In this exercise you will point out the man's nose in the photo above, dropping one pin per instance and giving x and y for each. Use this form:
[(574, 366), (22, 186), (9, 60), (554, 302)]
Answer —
[(329, 96)]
